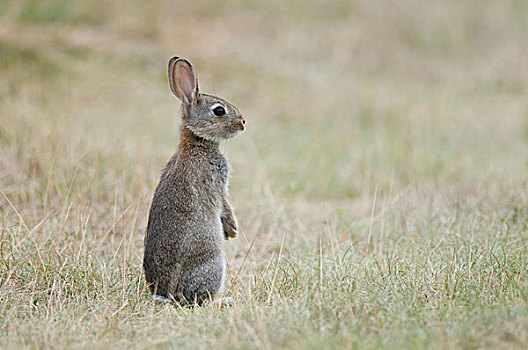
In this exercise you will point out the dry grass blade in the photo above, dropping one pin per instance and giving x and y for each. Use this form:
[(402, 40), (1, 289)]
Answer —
[(234, 280), (276, 268), (15, 210)]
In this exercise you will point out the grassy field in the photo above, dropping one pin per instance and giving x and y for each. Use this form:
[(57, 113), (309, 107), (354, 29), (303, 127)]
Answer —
[(382, 181)]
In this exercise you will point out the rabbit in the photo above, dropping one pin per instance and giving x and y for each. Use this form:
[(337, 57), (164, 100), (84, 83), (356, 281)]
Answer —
[(190, 215)]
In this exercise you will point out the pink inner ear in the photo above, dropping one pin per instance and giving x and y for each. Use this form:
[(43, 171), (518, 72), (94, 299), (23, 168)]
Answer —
[(185, 80)]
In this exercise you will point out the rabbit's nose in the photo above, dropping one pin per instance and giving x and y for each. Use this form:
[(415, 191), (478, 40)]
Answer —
[(242, 122)]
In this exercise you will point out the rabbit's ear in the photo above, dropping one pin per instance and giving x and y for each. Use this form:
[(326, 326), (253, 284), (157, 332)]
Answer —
[(182, 80)]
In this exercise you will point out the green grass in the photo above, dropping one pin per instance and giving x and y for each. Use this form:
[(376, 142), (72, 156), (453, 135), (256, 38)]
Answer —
[(381, 182)]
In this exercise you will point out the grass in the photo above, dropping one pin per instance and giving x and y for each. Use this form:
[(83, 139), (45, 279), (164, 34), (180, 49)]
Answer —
[(380, 185)]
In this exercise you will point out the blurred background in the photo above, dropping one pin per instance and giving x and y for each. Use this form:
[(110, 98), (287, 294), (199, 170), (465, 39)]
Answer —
[(343, 99)]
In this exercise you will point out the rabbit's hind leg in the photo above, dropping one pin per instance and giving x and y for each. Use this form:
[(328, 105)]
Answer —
[(206, 281)]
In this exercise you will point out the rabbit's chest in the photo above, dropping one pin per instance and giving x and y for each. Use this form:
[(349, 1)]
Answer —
[(218, 173)]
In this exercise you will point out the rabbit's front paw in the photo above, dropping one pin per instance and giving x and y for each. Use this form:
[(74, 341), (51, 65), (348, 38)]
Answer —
[(230, 227)]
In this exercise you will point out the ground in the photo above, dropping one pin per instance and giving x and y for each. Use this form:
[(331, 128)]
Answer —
[(381, 185)]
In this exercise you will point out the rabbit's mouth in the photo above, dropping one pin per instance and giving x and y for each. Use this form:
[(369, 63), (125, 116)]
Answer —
[(236, 130), (235, 133), (237, 126)]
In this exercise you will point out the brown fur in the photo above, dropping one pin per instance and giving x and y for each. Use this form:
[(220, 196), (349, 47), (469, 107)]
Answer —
[(190, 215)]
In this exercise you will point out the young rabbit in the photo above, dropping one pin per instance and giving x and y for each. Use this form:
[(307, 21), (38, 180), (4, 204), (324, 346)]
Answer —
[(190, 215)]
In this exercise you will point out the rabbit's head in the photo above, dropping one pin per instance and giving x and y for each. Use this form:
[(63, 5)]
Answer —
[(207, 116)]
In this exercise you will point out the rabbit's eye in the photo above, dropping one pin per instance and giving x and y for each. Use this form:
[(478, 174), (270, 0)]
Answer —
[(219, 111)]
